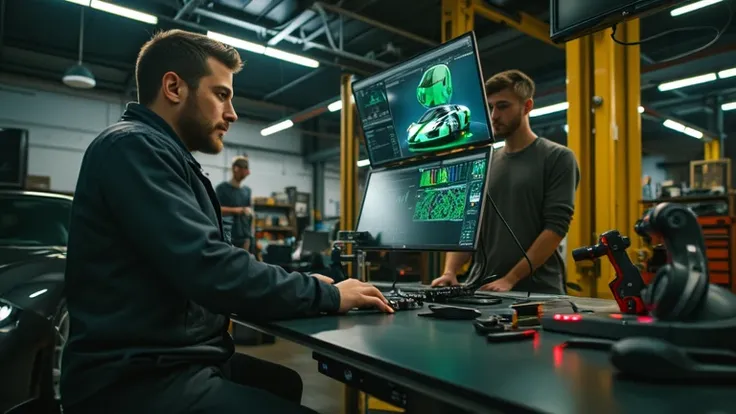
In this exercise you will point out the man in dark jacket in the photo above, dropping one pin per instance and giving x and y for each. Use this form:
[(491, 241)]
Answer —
[(150, 280)]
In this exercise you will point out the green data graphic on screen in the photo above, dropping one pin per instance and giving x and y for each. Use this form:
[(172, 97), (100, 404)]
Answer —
[(435, 205), (431, 103)]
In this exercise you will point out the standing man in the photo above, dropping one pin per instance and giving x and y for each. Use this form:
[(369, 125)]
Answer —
[(533, 182), (237, 201), (150, 280)]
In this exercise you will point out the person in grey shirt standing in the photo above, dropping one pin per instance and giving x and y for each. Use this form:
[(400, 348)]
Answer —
[(236, 204), (533, 182)]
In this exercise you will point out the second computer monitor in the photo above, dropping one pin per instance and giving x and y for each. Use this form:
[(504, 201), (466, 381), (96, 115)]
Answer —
[(431, 103), (436, 205)]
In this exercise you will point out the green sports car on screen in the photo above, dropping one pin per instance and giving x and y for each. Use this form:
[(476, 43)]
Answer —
[(438, 126)]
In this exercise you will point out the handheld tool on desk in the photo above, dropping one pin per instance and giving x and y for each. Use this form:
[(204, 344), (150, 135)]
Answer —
[(628, 284)]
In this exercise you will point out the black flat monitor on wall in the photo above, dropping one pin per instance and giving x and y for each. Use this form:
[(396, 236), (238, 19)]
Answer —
[(432, 103), (436, 205), (571, 19), (13, 158)]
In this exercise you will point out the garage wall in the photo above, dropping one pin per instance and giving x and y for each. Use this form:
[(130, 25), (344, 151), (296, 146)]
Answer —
[(62, 122)]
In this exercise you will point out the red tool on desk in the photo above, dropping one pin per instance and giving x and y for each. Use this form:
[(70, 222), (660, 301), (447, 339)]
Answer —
[(628, 285)]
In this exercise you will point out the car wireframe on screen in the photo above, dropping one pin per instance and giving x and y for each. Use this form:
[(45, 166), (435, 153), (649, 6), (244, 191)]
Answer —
[(34, 322), (435, 87), (438, 126)]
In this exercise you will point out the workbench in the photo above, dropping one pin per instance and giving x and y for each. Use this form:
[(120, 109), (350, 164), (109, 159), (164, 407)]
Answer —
[(433, 366)]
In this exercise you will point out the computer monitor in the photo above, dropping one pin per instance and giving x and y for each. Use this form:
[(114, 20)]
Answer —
[(436, 205), (315, 241), (430, 103), (571, 19)]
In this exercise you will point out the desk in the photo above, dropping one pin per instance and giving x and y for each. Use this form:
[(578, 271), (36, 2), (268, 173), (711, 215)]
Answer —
[(446, 363)]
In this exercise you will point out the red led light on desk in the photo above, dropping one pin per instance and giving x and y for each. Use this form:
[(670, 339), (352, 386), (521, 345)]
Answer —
[(567, 318), (575, 317)]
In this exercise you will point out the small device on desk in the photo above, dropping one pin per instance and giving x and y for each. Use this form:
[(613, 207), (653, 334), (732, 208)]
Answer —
[(628, 284), (685, 310)]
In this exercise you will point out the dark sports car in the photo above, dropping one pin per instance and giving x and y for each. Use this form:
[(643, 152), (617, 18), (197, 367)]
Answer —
[(33, 317), (439, 125)]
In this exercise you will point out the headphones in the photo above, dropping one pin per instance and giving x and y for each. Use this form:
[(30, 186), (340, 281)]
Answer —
[(682, 297)]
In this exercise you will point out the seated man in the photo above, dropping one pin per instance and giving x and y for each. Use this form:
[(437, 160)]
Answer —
[(150, 280)]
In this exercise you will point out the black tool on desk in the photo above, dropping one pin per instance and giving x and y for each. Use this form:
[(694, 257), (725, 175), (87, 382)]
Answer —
[(510, 336), (451, 312), (628, 284)]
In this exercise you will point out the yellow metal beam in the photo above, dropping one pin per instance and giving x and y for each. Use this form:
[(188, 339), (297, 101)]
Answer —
[(632, 55), (522, 22), (348, 157), (712, 150), (457, 18), (348, 195), (579, 56), (617, 142)]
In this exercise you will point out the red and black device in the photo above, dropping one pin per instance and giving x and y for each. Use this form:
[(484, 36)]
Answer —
[(628, 285)]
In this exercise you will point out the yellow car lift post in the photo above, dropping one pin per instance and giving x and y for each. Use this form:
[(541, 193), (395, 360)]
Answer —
[(609, 153)]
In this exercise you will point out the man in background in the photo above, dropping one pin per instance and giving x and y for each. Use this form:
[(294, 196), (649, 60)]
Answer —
[(236, 205), (533, 182)]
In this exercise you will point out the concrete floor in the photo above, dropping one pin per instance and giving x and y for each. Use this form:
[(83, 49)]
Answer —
[(321, 393)]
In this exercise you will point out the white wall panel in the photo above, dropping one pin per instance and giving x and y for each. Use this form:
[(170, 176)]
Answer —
[(62, 122)]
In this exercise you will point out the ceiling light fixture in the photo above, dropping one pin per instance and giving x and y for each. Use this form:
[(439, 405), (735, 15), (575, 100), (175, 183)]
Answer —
[(682, 83), (692, 7), (118, 10), (727, 73), (546, 110), (683, 129), (730, 106), (335, 106), (363, 163), (272, 129), (263, 50)]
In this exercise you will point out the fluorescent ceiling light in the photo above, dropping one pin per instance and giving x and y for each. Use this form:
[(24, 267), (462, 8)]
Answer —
[(239, 43), (119, 10), (682, 128), (277, 127), (727, 73), (290, 57), (693, 6), (641, 109), (263, 50), (335, 106), (549, 109), (363, 163), (499, 144), (681, 83), (728, 106)]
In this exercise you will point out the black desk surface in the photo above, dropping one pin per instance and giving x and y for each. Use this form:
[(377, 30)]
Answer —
[(448, 360)]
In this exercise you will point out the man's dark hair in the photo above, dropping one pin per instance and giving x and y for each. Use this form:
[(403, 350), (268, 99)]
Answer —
[(182, 52), (240, 161), (516, 80)]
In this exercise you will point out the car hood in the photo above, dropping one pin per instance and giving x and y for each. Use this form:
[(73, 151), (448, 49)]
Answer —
[(29, 266), (10, 255), (425, 127)]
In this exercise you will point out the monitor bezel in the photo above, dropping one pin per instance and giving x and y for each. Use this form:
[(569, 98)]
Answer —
[(488, 150), (603, 21), (408, 62)]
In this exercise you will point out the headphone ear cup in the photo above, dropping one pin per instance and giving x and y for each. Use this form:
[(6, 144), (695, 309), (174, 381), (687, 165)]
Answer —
[(661, 296)]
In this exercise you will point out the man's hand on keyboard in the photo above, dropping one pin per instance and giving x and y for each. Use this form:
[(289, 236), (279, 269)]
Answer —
[(447, 279), (356, 294)]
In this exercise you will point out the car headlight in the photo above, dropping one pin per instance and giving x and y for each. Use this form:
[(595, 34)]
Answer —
[(7, 315)]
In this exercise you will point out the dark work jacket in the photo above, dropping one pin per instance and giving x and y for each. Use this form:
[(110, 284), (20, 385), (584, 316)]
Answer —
[(150, 281)]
